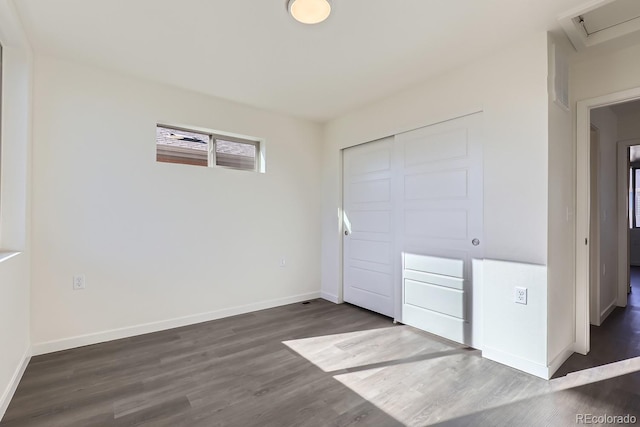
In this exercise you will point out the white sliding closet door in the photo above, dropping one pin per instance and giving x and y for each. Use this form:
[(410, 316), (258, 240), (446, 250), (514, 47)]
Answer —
[(369, 237), (439, 228), (413, 224)]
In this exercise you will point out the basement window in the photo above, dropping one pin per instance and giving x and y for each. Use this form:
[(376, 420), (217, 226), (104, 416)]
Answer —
[(211, 149), (236, 154), (181, 146)]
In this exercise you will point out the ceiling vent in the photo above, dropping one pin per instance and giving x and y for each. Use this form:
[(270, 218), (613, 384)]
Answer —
[(600, 21)]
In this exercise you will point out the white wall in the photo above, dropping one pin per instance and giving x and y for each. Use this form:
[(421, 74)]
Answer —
[(561, 234), (629, 125), (14, 204), (602, 73), (607, 123), (510, 87), (160, 241), (508, 344)]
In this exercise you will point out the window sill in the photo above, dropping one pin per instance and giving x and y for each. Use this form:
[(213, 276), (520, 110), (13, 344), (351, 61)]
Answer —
[(5, 255)]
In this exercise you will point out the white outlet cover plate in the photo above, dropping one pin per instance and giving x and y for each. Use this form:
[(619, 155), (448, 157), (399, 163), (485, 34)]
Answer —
[(520, 295), (79, 282)]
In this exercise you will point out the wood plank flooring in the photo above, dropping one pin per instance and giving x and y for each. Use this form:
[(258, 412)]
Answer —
[(618, 338), (315, 364)]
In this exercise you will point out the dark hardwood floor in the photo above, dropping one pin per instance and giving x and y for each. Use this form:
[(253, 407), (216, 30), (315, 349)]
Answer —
[(618, 338), (315, 364)]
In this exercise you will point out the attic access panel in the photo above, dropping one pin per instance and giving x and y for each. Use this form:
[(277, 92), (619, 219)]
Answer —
[(601, 21), (610, 15)]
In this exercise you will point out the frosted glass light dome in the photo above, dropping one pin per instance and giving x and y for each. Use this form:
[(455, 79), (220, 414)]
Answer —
[(309, 11)]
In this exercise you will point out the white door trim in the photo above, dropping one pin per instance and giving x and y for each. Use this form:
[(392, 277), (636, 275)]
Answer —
[(583, 213)]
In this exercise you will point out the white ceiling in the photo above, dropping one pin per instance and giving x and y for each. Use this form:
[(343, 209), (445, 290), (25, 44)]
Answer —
[(252, 52)]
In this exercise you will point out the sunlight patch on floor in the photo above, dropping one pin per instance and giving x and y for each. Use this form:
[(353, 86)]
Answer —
[(370, 347), (599, 373), (407, 373), (420, 380), (401, 392), (456, 387)]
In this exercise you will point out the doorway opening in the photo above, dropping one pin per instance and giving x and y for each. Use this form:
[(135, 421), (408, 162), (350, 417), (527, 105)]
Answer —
[(607, 229)]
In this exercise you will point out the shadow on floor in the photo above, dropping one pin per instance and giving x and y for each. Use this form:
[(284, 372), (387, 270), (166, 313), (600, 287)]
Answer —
[(565, 407)]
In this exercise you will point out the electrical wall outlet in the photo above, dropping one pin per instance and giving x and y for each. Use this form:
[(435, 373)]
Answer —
[(520, 296), (79, 282)]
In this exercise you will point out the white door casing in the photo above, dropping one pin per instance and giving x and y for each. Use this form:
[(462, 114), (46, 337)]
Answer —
[(582, 209)]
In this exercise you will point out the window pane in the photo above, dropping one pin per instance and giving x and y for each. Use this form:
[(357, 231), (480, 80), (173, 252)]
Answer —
[(630, 198), (637, 197), (236, 155), (181, 146)]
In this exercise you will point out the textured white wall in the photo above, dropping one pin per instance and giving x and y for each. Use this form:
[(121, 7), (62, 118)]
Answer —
[(160, 241)]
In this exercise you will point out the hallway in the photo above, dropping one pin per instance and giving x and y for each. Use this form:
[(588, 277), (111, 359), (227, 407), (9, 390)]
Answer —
[(618, 338)]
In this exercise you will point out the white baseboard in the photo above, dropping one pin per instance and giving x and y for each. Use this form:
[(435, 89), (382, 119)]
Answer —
[(607, 311), (330, 297), (8, 393), (130, 331), (560, 359), (519, 363)]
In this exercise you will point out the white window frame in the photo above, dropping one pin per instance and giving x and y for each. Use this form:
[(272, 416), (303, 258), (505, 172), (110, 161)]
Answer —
[(213, 141), (214, 135)]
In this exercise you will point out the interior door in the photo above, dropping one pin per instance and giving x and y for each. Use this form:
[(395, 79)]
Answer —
[(368, 250), (440, 225)]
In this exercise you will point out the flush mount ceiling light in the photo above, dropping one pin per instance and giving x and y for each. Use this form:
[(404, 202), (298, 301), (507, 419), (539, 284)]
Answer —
[(309, 11)]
